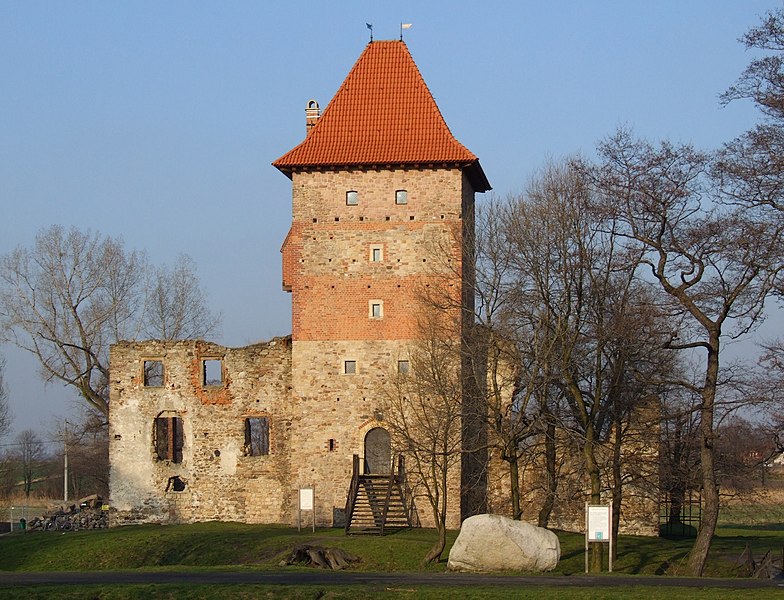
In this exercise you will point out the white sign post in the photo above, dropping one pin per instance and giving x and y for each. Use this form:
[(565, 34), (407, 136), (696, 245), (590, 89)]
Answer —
[(598, 528), (306, 501)]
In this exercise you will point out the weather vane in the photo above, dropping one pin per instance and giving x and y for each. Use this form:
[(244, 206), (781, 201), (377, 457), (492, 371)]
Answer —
[(370, 26)]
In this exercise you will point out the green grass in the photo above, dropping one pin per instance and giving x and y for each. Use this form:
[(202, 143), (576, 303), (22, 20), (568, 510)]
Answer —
[(201, 545), (250, 592), (264, 546), (205, 546)]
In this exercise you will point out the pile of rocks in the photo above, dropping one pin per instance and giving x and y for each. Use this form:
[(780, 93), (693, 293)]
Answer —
[(88, 513)]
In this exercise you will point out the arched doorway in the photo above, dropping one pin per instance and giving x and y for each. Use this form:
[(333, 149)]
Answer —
[(378, 451)]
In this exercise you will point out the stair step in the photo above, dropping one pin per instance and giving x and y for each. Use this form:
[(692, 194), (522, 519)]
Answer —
[(371, 494)]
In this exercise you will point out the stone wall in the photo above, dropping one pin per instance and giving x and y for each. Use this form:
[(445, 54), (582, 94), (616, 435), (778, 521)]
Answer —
[(639, 507), (221, 481), (334, 277), (328, 256)]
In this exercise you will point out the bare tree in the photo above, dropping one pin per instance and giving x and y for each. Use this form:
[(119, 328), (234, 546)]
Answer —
[(5, 409), (752, 165), (743, 451), (29, 454), (73, 293), (88, 455), (713, 265), (176, 308), (423, 409), (586, 326), (496, 356), (679, 451)]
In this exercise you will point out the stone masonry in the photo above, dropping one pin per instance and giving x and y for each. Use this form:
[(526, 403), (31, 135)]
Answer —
[(221, 482)]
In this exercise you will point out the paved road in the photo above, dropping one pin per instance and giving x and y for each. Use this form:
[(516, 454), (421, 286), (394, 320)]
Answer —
[(381, 579)]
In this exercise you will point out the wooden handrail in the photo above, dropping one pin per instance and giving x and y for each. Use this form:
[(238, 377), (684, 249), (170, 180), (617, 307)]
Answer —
[(352, 491)]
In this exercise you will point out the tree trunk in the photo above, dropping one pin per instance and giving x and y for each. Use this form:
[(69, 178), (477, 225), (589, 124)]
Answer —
[(710, 491), (514, 482), (617, 488), (434, 554), (595, 548), (552, 479)]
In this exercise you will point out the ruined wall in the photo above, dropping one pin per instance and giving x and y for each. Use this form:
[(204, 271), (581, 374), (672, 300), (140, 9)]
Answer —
[(639, 507), (221, 481)]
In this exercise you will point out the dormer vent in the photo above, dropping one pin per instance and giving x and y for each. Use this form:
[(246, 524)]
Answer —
[(312, 114)]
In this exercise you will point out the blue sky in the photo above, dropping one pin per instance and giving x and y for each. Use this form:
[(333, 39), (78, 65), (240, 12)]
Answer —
[(158, 121)]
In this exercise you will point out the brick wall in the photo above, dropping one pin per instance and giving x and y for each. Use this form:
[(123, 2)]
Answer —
[(327, 255)]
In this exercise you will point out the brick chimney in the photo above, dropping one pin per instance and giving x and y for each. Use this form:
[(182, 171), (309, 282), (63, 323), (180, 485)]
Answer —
[(312, 114)]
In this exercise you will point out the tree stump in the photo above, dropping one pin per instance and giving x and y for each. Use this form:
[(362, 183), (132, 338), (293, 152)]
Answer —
[(324, 558)]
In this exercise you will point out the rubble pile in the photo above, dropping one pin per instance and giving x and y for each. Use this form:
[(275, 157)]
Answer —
[(88, 513)]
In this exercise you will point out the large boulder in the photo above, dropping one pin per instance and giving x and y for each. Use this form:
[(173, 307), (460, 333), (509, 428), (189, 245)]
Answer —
[(496, 543)]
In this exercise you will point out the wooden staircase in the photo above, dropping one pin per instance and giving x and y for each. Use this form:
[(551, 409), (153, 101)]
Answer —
[(379, 503)]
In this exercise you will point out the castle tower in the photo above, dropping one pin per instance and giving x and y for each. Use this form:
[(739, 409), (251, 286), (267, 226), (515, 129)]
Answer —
[(379, 187)]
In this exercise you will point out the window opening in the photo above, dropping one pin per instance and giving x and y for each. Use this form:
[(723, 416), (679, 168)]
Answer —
[(349, 367), (176, 484), (401, 197), (257, 436), (352, 198), (403, 366), (331, 445), (376, 254), (212, 372), (169, 438), (376, 309), (153, 373)]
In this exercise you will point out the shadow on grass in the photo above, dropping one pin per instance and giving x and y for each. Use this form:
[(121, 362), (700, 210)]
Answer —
[(759, 528)]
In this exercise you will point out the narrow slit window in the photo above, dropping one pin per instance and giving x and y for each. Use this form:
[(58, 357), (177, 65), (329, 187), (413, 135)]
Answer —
[(153, 373), (352, 198), (169, 438), (401, 197), (349, 367), (376, 254), (212, 370), (257, 440)]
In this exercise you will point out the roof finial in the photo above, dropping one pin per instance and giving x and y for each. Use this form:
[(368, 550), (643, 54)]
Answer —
[(370, 26), (402, 27)]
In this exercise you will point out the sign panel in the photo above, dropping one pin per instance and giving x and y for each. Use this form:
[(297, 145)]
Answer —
[(306, 499), (598, 525)]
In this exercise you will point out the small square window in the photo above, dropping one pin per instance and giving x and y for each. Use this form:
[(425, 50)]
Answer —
[(349, 367), (212, 372), (403, 366), (376, 309), (376, 254), (352, 198), (153, 373), (401, 197)]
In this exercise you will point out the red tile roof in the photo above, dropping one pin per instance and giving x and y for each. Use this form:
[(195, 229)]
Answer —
[(383, 114)]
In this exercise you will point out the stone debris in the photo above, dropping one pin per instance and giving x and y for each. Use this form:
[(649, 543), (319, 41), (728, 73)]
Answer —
[(88, 513)]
